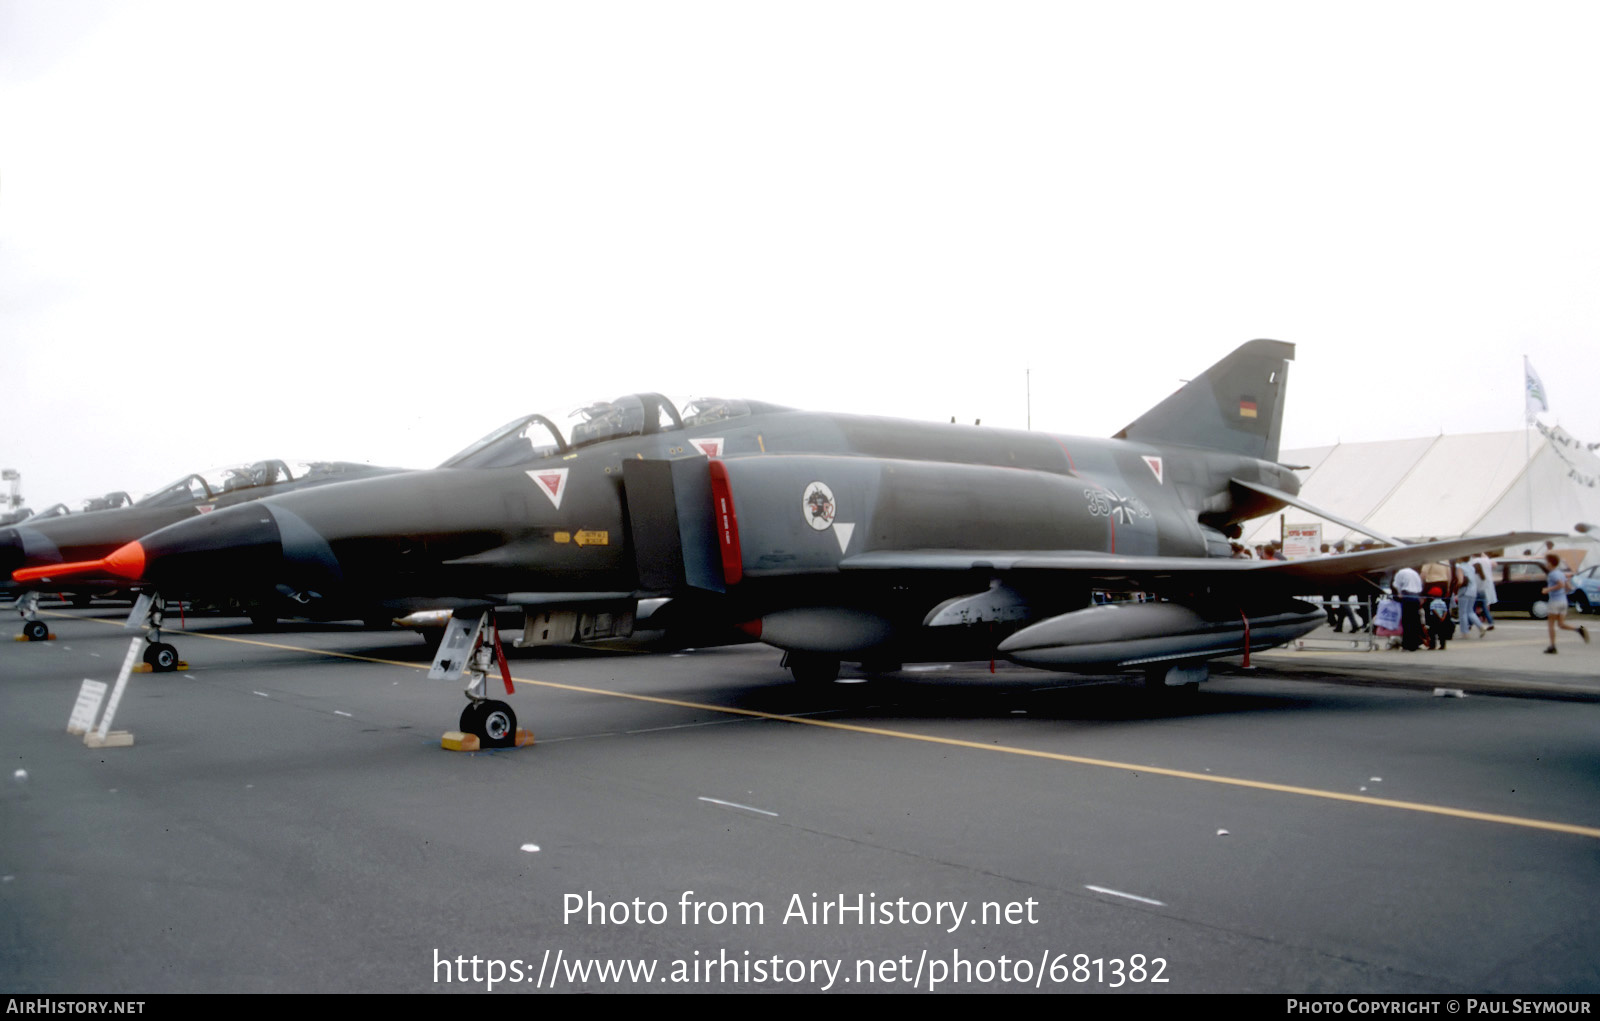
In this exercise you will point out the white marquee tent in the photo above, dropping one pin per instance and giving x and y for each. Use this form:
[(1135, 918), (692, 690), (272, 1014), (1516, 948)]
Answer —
[(1445, 486)]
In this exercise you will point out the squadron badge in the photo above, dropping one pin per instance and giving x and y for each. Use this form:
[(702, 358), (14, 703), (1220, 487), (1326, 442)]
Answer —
[(817, 506)]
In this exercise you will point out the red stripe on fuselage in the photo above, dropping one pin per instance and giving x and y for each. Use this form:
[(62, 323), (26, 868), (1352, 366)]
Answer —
[(727, 524)]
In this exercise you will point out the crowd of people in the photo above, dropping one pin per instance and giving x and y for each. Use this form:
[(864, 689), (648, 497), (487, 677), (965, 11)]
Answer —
[(1425, 618), (1437, 602)]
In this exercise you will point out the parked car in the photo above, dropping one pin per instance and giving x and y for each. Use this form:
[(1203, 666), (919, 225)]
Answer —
[(1520, 586)]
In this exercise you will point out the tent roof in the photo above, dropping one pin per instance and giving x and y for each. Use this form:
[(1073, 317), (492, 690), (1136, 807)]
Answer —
[(1443, 486)]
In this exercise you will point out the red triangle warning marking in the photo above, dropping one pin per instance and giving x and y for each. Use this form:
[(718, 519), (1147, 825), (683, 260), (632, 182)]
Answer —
[(708, 447), (1155, 466), (553, 481)]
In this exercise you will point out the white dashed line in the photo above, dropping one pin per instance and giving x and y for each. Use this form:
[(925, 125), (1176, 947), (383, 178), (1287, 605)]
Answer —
[(746, 808), (1129, 896)]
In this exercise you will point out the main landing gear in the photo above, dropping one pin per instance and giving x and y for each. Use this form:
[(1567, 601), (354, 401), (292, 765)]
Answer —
[(811, 669), (492, 722)]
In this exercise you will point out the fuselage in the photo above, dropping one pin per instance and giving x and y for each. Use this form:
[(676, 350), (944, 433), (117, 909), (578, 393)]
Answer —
[(95, 534), (809, 489)]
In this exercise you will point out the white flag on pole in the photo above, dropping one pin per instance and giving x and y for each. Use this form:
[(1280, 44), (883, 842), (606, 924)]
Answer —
[(1535, 390)]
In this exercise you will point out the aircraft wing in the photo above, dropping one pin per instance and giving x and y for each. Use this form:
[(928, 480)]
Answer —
[(1311, 575)]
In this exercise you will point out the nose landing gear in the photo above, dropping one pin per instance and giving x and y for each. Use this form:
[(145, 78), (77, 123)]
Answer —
[(151, 609), (492, 723), (33, 629)]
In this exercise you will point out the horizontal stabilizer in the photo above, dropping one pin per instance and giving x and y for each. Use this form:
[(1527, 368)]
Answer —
[(1295, 501)]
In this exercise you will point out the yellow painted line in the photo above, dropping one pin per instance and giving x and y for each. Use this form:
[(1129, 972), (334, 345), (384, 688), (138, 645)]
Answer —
[(904, 735)]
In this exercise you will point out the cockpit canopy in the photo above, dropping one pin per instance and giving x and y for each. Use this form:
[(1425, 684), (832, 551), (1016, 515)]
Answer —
[(111, 501), (209, 485), (542, 435)]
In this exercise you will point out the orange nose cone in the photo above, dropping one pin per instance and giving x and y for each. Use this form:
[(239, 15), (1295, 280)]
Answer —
[(127, 562), (56, 570)]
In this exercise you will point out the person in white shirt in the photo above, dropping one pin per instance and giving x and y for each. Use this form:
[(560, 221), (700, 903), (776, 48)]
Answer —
[(1408, 586), (1484, 568), (1466, 600)]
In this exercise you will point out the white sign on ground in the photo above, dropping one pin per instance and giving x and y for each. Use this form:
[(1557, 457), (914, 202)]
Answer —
[(99, 738), (83, 714)]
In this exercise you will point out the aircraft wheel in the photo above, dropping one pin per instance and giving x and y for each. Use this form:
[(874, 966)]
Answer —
[(493, 723), (161, 657), (1539, 610), (35, 630), (811, 668)]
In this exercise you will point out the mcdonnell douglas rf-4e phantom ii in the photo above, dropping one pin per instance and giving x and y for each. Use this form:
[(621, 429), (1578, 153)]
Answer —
[(832, 537), (114, 520)]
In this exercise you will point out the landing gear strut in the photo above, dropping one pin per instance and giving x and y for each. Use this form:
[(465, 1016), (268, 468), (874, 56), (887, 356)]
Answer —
[(33, 629), (492, 722)]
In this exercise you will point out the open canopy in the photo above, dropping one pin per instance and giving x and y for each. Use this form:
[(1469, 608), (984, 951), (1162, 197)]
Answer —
[(540, 435)]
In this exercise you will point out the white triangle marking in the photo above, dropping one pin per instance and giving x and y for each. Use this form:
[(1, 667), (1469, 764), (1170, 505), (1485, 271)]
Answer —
[(1155, 466), (843, 531), (552, 482)]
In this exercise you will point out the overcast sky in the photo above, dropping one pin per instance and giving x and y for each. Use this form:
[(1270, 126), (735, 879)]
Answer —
[(374, 231)]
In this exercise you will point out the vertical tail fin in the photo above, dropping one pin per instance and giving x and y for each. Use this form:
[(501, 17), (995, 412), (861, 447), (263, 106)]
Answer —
[(1236, 406)]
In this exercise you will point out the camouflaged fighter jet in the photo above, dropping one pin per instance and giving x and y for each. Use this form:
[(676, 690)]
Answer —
[(45, 541), (831, 537)]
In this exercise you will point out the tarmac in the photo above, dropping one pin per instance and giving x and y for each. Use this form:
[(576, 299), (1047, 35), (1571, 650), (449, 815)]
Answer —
[(287, 821), (1509, 661)]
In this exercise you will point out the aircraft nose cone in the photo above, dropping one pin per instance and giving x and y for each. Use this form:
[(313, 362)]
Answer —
[(226, 550)]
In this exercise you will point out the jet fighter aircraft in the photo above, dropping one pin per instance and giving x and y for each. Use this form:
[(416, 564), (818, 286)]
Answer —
[(112, 521), (831, 537)]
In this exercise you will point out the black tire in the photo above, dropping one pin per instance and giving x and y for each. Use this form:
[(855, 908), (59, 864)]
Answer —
[(163, 658), (493, 723), (811, 668), (1580, 602), (35, 630)]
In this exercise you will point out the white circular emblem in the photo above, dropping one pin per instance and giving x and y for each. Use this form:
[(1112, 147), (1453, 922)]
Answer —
[(817, 506)]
